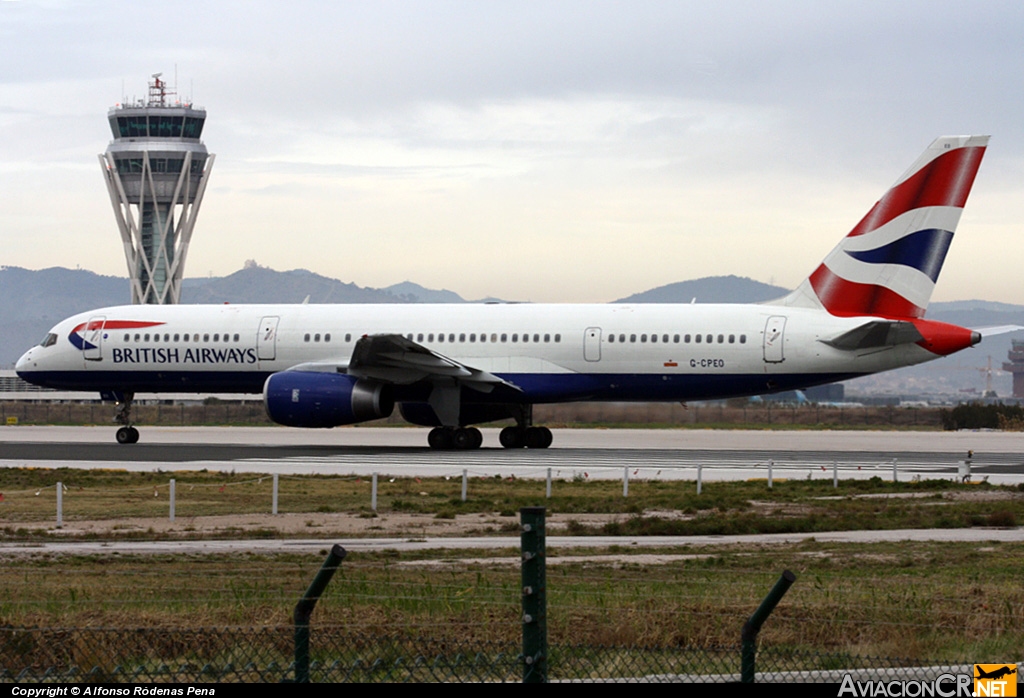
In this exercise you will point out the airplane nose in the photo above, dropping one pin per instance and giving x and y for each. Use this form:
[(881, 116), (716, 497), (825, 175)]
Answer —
[(24, 363)]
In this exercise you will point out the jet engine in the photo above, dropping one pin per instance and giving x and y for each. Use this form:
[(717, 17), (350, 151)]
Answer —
[(322, 400)]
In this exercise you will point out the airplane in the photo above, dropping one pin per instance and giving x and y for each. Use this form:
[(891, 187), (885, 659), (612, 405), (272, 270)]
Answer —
[(449, 367)]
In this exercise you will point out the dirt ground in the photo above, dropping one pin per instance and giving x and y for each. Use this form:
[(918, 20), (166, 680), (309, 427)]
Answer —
[(317, 525)]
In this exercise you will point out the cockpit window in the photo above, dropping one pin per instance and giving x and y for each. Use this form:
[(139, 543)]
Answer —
[(49, 340)]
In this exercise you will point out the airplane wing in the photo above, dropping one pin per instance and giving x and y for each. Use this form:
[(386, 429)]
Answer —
[(876, 334), (391, 358)]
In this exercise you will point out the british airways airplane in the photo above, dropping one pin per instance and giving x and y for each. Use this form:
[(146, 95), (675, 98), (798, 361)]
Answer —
[(451, 366)]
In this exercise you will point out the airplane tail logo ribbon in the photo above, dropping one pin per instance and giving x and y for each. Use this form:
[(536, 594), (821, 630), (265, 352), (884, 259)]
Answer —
[(888, 265)]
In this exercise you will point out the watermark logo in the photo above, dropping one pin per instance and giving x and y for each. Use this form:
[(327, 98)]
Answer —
[(995, 680)]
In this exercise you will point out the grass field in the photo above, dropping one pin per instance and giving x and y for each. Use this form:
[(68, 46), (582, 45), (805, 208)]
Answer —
[(949, 602), (939, 601), (653, 507)]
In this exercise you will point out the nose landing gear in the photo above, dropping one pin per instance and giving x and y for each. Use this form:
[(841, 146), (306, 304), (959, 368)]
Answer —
[(126, 434)]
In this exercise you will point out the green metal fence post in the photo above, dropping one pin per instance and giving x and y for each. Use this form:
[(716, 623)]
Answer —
[(535, 612), (304, 609), (753, 625)]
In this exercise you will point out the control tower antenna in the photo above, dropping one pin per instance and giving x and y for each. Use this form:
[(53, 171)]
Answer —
[(156, 170)]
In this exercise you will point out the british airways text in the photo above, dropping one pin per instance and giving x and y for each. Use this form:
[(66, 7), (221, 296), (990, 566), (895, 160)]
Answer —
[(204, 355)]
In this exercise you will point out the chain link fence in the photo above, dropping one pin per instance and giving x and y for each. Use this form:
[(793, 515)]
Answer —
[(265, 655)]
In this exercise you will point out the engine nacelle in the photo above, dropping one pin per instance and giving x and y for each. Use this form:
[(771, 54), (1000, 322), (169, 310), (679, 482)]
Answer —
[(322, 400)]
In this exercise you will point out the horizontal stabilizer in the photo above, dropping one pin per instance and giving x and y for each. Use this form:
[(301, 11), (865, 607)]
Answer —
[(875, 334), (997, 329)]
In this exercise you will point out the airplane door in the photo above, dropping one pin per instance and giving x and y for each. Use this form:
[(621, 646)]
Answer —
[(92, 336), (266, 340), (774, 338), (592, 344)]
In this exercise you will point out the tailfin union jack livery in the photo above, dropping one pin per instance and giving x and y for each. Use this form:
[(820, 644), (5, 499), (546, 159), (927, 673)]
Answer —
[(859, 312)]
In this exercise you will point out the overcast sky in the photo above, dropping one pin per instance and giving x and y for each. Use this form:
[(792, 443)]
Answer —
[(543, 151)]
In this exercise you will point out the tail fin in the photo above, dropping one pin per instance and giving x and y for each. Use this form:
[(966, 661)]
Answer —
[(888, 265)]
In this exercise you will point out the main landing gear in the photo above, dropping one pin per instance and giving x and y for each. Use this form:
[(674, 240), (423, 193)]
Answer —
[(525, 437), (459, 438), (126, 434), (524, 434)]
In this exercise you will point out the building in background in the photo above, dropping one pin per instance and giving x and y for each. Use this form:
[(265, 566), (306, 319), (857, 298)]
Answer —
[(156, 170), (1015, 366)]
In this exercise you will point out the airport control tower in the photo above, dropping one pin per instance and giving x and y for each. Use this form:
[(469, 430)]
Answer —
[(156, 170)]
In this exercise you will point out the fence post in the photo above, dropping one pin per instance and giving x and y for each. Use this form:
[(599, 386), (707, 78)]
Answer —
[(534, 577), (273, 497), (373, 493), (547, 490), (771, 466), (304, 609), (171, 498), (465, 483), (752, 627), (700, 475), (894, 475), (835, 475), (625, 481), (60, 505)]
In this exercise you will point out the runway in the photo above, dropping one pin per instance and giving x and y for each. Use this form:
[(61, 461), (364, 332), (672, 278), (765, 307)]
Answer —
[(598, 453)]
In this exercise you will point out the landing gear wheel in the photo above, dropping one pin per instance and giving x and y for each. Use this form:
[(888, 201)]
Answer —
[(127, 435), (512, 437), (538, 437), (440, 439), (467, 439)]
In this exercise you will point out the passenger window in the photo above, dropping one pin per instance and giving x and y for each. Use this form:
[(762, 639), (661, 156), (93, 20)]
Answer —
[(697, 338), (430, 337), (710, 339), (732, 339), (643, 339), (611, 338), (675, 338), (721, 339), (147, 336), (664, 338), (472, 337), (632, 338), (177, 337), (536, 338), (504, 337), (686, 339), (451, 337), (316, 337), (515, 338), (526, 337), (419, 337), (743, 339), (216, 337), (622, 338), (440, 337), (327, 337), (127, 338), (654, 339), (306, 338), (558, 338), (547, 338), (348, 337), (462, 337)]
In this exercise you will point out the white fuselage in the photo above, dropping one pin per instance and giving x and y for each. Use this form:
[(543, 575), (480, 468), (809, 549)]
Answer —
[(551, 353)]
